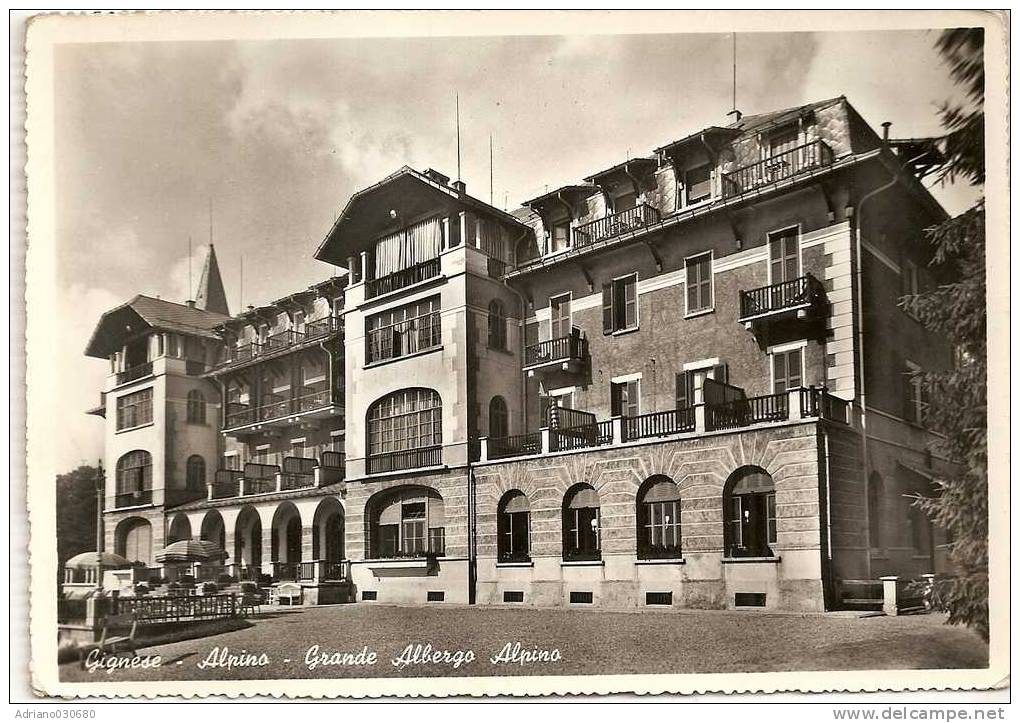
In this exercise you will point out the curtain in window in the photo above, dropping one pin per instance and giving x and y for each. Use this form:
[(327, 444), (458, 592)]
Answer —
[(494, 240), (409, 246), (407, 419)]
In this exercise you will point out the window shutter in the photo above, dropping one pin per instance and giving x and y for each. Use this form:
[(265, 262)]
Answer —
[(684, 392), (607, 308), (630, 302), (720, 373), (614, 399)]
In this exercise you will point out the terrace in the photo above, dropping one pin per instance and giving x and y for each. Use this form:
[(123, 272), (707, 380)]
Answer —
[(313, 331), (260, 479), (576, 430)]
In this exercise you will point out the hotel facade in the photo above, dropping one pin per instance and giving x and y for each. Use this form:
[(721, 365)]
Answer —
[(685, 380)]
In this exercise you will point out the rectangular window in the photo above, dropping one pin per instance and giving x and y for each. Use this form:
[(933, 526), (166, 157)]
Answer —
[(625, 202), (559, 317), (135, 409), (402, 331), (531, 333), (412, 520), (559, 237), (435, 595), (699, 283), (658, 598), (698, 184), (369, 595), (513, 596), (770, 503), (749, 599), (620, 304), (782, 142), (787, 370), (784, 255), (685, 390), (581, 598), (734, 519), (437, 540), (625, 398)]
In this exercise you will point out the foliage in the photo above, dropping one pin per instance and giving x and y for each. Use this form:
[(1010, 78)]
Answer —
[(76, 514), (957, 408)]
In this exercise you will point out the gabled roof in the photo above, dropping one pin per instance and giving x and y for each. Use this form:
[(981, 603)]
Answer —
[(570, 189), (710, 130), (640, 162), (779, 117), (397, 188), (146, 312)]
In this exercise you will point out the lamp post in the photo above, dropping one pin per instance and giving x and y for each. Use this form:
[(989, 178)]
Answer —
[(100, 482)]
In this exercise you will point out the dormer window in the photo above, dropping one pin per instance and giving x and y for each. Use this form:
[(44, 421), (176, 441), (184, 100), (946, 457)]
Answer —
[(782, 142), (625, 201), (559, 236), (698, 184)]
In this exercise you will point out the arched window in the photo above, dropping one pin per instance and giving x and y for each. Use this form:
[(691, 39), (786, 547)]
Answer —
[(405, 430), (407, 522), (875, 510), (499, 418), (749, 502), (196, 407), (497, 325), (196, 472), (134, 479), (513, 523), (581, 524), (658, 519), (134, 541)]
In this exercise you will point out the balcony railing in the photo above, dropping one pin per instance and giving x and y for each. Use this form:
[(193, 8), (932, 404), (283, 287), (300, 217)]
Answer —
[(816, 402), (797, 293), (133, 499), (564, 348), (287, 571), (745, 412), (515, 445), (776, 168), (333, 460), (404, 338), (136, 372), (402, 279), (659, 424), (281, 341), (312, 400), (405, 459), (226, 483), (298, 472), (259, 478), (615, 224)]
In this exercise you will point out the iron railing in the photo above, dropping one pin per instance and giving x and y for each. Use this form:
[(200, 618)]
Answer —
[(403, 338), (659, 424), (515, 445), (563, 348), (615, 224), (260, 478), (335, 570), (298, 473), (133, 499), (592, 434), (136, 372), (776, 168), (405, 459), (402, 279), (287, 571), (333, 460), (816, 402), (745, 412), (786, 295), (174, 609), (312, 400), (226, 483)]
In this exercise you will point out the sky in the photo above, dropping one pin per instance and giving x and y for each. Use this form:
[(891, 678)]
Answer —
[(268, 139)]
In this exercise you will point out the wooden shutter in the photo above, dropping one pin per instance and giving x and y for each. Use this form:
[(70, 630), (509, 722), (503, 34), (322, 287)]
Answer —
[(607, 308), (630, 302), (684, 390), (615, 399)]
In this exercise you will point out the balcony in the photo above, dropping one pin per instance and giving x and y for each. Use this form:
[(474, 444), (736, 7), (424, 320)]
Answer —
[(565, 352), (259, 479), (281, 342), (404, 459), (405, 338), (777, 168), (278, 410), (731, 411), (136, 372), (615, 224), (800, 296), (402, 279), (133, 499)]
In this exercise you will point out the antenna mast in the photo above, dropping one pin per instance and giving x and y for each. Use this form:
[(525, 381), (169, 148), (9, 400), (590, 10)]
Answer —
[(240, 286), (191, 290), (490, 170), (735, 113), (457, 100)]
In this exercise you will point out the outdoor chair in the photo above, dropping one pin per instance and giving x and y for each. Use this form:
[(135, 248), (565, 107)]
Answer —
[(108, 643), (250, 603)]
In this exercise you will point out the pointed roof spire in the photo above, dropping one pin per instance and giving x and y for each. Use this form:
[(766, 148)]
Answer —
[(211, 295)]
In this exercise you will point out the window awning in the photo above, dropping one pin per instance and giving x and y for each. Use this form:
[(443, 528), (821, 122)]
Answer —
[(584, 498), (754, 482), (665, 490), (517, 503)]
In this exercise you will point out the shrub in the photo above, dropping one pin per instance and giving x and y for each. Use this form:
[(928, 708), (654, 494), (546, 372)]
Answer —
[(187, 580), (209, 588), (224, 579), (141, 589)]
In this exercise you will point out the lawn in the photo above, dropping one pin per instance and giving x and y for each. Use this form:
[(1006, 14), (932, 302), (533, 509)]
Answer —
[(277, 643)]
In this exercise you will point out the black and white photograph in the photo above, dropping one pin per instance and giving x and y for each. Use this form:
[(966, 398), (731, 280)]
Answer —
[(522, 353)]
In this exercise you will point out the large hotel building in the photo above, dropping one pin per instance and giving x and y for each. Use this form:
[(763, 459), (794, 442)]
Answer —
[(684, 380)]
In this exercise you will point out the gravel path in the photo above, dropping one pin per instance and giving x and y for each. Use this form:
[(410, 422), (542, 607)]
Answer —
[(588, 642)]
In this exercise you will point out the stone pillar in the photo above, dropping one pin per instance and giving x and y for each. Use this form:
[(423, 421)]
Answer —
[(793, 404), (307, 535), (546, 440), (267, 548), (890, 603), (483, 449), (365, 270), (463, 228)]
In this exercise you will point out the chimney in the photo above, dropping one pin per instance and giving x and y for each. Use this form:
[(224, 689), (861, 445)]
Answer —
[(441, 178), (459, 186), (885, 131), (737, 115)]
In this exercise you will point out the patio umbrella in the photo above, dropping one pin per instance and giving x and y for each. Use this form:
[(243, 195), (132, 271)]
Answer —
[(191, 551), (90, 560)]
